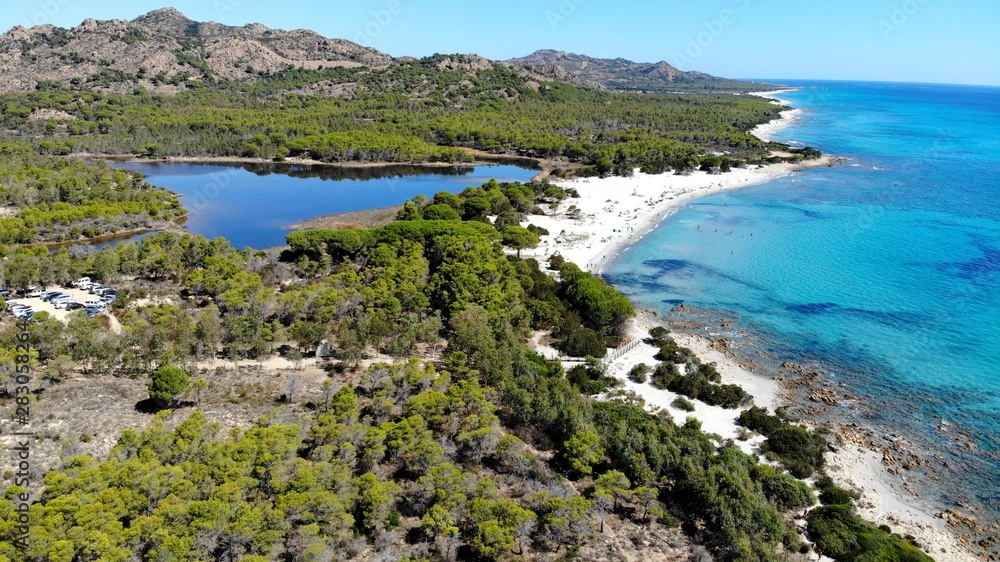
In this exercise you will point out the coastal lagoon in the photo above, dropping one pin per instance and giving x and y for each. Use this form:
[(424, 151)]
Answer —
[(883, 271), (253, 205)]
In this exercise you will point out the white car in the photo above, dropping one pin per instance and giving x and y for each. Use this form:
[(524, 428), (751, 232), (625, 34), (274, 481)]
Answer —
[(35, 293)]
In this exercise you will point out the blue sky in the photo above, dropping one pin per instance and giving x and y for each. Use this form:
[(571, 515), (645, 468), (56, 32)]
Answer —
[(889, 40)]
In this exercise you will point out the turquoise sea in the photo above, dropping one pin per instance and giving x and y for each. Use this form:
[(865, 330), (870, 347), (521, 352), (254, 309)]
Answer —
[(885, 270)]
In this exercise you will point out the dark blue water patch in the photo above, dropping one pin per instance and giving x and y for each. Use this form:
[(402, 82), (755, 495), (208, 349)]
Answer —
[(888, 318), (812, 308), (814, 214), (695, 268), (648, 283), (975, 269), (797, 205), (667, 265), (678, 269), (731, 278)]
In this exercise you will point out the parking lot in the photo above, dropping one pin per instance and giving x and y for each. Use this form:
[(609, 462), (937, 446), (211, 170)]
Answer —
[(36, 303)]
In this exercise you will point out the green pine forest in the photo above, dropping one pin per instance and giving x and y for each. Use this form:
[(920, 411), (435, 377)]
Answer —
[(486, 451), (467, 445), (412, 111), (60, 200)]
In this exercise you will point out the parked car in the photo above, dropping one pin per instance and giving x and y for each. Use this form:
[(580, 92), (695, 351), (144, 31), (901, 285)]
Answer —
[(92, 302), (80, 281), (50, 295), (93, 311), (73, 306), (24, 313), (95, 288), (4, 293), (35, 292)]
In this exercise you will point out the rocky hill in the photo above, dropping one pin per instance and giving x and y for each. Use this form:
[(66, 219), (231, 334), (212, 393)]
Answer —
[(623, 74), (163, 49)]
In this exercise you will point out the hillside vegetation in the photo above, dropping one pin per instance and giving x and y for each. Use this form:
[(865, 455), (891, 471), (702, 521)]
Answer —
[(164, 85), (468, 445), (411, 112), (55, 200), (626, 75)]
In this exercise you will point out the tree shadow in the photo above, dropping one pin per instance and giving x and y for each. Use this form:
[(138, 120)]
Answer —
[(149, 406)]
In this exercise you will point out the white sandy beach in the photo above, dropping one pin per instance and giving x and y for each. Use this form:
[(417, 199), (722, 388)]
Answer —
[(613, 213), (768, 131)]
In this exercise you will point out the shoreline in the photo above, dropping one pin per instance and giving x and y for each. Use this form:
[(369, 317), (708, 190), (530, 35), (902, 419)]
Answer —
[(480, 158), (371, 218), (614, 213), (767, 131), (174, 226)]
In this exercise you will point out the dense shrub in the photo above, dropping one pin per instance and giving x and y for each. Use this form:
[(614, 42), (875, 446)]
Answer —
[(831, 494), (657, 335), (674, 353), (757, 419), (640, 373), (441, 212), (782, 490), (843, 536), (509, 218), (664, 375), (797, 448), (556, 261), (599, 305), (682, 403), (696, 385), (538, 230), (579, 341)]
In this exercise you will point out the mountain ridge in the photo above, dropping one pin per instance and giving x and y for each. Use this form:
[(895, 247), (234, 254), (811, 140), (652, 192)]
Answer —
[(164, 51), (626, 75)]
